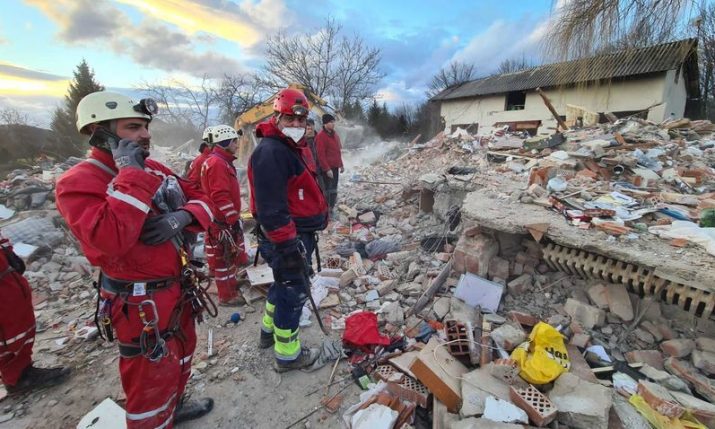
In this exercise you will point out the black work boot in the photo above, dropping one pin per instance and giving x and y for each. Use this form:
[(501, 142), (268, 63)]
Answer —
[(305, 359), (190, 410), (33, 378), (266, 340)]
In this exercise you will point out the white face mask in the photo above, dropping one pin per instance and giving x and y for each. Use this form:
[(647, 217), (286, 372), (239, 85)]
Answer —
[(294, 133)]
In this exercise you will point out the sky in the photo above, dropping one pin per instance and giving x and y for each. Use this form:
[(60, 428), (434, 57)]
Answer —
[(128, 42)]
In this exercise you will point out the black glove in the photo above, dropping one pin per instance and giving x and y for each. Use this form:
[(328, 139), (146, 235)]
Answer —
[(14, 261), (128, 153), (159, 229)]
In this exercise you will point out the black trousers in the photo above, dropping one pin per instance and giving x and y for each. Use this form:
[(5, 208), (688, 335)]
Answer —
[(331, 187)]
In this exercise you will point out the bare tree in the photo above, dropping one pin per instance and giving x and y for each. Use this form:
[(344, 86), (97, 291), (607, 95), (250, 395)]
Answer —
[(326, 63), (511, 65), (183, 104), (583, 27), (455, 74), (236, 94), (12, 116), (706, 33)]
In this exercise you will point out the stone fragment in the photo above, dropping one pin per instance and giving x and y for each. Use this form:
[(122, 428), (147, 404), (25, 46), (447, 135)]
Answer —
[(386, 287), (477, 385), (703, 411), (441, 307), (580, 340), (664, 378), (618, 301), (679, 348), (580, 404), (627, 414), (704, 361), (508, 336), (479, 423), (586, 315), (498, 268), (503, 411), (652, 329), (705, 344), (666, 332), (597, 296), (520, 285), (347, 278), (367, 218)]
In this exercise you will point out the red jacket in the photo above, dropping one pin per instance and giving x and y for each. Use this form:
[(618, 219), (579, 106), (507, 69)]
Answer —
[(285, 197), (328, 147), (220, 183), (194, 174), (106, 209)]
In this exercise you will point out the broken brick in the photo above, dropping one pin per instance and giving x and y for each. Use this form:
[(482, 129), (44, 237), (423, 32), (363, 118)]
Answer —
[(524, 319), (473, 254), (519, 285), (580, 340), (538, 407), (504, 369), (508, 336), (653, 358), (660, 399), (679, 348), (689, 374)]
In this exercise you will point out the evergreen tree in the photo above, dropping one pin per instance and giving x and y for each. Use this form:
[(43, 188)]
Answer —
[(64, 118), (373, 115)]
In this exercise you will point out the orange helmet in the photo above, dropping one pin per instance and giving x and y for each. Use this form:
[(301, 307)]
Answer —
[(290, 101)]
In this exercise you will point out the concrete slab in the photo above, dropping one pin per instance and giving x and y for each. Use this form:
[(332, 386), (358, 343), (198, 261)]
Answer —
[(487, 209), (581, 405)]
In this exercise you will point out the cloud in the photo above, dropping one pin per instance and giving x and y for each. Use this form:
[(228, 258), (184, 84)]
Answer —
[(245, 24), (8, 69), (16, 80), (150, 43), (80, 20), (503, 40)]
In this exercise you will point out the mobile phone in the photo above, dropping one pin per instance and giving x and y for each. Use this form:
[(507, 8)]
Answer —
[(104, 139)]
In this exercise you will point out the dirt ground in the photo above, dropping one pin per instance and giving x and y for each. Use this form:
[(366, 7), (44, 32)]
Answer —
[(247, 391)]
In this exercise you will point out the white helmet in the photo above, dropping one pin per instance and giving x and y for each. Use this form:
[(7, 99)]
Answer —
[(106, 106), (222, 132), (208, 137)]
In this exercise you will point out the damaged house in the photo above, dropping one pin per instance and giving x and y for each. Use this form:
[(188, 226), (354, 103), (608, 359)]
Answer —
[(661, 81)]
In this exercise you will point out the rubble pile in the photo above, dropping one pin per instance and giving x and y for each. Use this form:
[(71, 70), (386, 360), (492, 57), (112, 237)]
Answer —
[(477, 326)]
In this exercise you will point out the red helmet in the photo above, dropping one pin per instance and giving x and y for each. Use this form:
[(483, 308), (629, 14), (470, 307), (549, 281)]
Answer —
[(290, 101)]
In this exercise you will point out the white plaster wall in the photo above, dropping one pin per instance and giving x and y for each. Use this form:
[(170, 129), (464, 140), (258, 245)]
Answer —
[(636, 94), (674, 98)]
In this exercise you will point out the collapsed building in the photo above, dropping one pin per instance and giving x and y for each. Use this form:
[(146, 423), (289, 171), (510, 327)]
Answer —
[(660, 81)]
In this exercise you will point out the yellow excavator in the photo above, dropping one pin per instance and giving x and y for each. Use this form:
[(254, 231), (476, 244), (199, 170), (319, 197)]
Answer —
[(249, 119)]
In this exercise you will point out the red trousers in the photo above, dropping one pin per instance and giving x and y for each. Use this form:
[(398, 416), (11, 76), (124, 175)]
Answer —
[(153, 389), (17, 327), (224, 258)]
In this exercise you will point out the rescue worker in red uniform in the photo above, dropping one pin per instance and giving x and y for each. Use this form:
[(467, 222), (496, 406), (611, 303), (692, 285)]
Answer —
[(194, 172), (328, 147), (225, 248), (128, 213), (289, 207), (17, 329)]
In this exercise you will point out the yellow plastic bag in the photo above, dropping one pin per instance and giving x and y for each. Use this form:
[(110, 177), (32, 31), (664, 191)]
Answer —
[(544, 357), (659, 421)]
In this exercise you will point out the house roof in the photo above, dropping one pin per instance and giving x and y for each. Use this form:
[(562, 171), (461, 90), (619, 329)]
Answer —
[(621, 64)]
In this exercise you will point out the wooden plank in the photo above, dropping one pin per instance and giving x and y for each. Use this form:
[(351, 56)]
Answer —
[(432, 289), (551, 108)]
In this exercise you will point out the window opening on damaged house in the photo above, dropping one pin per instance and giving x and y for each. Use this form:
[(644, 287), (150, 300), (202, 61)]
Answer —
[(515, 100)]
